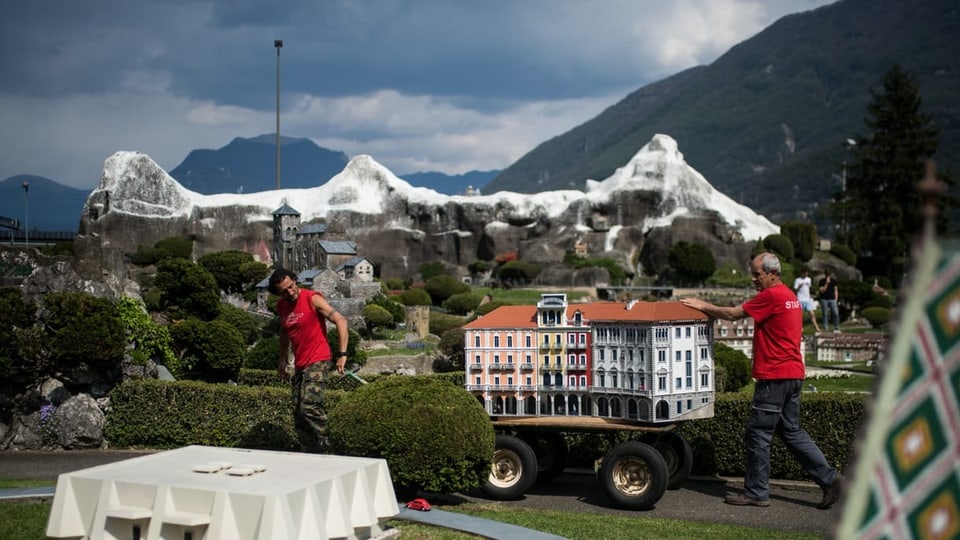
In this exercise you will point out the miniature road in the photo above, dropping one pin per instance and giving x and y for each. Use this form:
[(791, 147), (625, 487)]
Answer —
[(792, 507)]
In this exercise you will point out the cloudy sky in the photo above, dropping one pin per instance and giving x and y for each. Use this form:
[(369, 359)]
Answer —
[(443, 85)]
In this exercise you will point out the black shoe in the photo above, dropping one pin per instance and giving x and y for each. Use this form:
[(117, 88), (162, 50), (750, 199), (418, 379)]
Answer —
[(832, 492), (743, 500)]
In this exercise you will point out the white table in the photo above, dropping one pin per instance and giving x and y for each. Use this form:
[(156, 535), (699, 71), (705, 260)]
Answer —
[(201, 492)]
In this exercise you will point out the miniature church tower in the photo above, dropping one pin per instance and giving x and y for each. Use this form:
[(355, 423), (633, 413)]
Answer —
[(286, 224)]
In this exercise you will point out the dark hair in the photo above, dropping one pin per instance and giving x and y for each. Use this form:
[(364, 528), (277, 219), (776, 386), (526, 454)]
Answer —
[(277, 276)]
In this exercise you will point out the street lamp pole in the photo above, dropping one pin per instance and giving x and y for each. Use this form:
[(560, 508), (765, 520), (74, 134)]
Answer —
[(278, 43), (26, 212)]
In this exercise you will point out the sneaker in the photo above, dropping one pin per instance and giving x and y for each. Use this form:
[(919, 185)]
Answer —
[(743, 500), (832, 492)]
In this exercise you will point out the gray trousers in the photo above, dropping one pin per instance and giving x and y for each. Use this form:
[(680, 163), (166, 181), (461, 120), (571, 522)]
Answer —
[(776, 409)]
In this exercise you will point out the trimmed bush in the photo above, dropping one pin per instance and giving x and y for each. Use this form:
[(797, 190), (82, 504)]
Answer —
[(781, 245), (435, 436), (735, 368), (844, 253), (877, 316)]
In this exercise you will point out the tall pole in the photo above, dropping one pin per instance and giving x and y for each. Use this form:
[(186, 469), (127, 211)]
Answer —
[(278, 43), (26, 212)]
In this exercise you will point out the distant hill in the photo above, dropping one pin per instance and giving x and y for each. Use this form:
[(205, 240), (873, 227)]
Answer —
[(51, 206), (767, 121), (249, 165), (456, 184)]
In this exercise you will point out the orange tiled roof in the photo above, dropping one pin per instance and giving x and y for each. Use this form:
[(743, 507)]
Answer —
[(507, 317), (526, 316)]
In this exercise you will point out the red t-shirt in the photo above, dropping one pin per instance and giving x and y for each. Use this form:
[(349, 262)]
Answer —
[(778, 327), (307, 329)]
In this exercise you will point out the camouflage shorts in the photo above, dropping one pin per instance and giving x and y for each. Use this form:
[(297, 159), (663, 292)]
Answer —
[(309, 409)]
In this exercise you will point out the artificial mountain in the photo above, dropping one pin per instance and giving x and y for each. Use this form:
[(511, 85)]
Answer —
[(633, 217)]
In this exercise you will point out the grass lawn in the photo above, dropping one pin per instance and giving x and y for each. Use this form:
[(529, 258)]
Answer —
[(526, 296), (28, 521)]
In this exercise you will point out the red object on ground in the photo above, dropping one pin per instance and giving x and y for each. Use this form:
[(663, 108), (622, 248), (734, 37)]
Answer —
[(419, 504)]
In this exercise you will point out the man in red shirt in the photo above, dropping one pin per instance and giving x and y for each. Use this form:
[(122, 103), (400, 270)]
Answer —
[(779, 371), (303, 325)]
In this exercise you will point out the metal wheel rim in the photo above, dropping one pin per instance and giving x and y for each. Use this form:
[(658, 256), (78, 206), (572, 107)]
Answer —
[(631, 476), (670, 457), (506, 469)]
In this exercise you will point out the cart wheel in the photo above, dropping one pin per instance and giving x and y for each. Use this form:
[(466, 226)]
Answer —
[(678, 456), (513, 471), (634, 475), (551, 451)]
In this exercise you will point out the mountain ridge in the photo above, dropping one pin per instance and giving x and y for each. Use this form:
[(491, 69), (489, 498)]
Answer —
[(771, 114)]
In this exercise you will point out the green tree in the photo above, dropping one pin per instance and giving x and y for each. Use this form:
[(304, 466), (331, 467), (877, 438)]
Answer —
[(187, 289), (520, 272), (803, 236), (693, 262), (780, 245), (225, 266), (212, 351), (736, 367), (462, 303), (431, 269), (880, 207), (376, 317), (82, 330), (451, 345), (416, 296), (442, 287), (264, 355), (15, 312), (356, 354), (242, 321), (395, 309)]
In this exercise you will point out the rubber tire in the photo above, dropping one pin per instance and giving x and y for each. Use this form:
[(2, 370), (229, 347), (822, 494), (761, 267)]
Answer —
[(551, 451), (678, 455), (633, 475), (513, 469)]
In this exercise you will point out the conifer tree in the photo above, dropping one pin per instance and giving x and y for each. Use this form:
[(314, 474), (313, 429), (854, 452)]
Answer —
[(880, 207)]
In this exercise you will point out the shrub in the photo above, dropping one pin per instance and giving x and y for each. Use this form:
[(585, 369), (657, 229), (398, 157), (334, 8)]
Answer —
[(395, 308), (451, 345), (483, 309), (242, 321), (394, 283), (415, 297), (441, 322), (15, 312), (877, 316), (435, 436), (736, 367), (224, 266), (844, 253), (692, 263), (83, 329), (518, 272), (462, 303), (803, 236), (148, 339), (781, 245), (264, 355), (212, 351), (187, 289), (376, 317), (442, 287)]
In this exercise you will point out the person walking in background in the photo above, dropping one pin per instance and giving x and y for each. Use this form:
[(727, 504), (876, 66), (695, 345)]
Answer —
[(802, 287), (303, 325), (829, 294), (779, 371)]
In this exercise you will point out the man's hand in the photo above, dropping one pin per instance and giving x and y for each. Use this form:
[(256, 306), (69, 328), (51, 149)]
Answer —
[(341, 364), (694, 303), (282, 370)]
